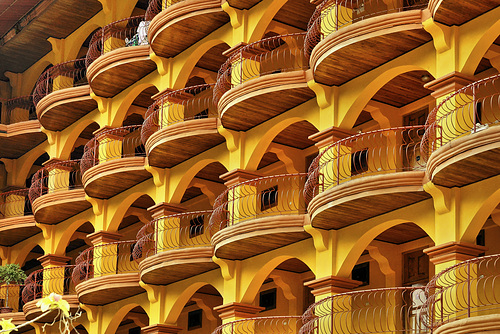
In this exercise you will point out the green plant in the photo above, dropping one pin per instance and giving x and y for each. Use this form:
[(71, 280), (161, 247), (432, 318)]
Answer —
[(11, 274)]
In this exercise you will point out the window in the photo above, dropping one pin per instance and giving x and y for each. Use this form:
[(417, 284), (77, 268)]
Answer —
[(268, 198), (361, 272), (359, 162), (267, 299), (195, 319), (196, 226)]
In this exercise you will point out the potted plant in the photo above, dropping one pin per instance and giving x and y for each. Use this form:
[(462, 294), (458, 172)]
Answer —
[(10, 274)]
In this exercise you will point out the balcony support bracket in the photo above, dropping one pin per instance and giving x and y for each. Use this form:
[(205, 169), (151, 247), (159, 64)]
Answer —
[(441, 34), (441, 197)]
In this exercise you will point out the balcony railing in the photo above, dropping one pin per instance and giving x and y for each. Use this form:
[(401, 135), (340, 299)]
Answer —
[(468, 289), (156, 6), (178, 106), (20, 109), (65, 75), (268, 325), (371, 153), (127, 32), (179, 231), (59, 176), (103, 260), (11, 296), (390, 310), (469, 110), (112, 144), (332, 15), (272, 55), (15, 204), (257, 198), (43, 282)]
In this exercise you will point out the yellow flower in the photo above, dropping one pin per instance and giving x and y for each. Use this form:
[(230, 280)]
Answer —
[(7, 324), (53, 302)]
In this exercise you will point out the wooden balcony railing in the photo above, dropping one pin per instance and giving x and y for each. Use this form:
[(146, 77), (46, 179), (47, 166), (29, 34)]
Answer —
[(272, 55), (268, 325), (389, 310), (371, 153), (469, 110), (20, 109), (183, 230), (15, 204), (72, 73), (59, 176), (332, 15), (182, 105), (127, 32), (468, 289), (103, 260), (112, 144), (261, 197), (43, 282), (156, 6)]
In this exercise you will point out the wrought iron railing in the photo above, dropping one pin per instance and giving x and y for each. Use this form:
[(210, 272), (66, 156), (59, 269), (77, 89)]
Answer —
[(272, 55), (156, 6), (15, 203), (332, 15), (268, 325), (182, 105), (59, 176), (107, 259), (131, 31), (179, 231), (469, 110), (43, 282), (468, 289), (370, 153), (65, 75), (112, 144), (20, 109), (261, 197), (388, 310), (11, 297)]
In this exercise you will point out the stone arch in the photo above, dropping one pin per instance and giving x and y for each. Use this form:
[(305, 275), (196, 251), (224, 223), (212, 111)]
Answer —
[(121, 208), (66, 235), (264, 20), (72, 137), (80, 36), (125, 103), (27, 161), (118, 316), (479, 48), (31, 243), (32, 75), (479, 218)]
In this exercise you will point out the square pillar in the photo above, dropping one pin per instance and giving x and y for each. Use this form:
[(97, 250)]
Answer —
[(160, 329), (105, 257), (54, 273), (237, 311), (110, 143)]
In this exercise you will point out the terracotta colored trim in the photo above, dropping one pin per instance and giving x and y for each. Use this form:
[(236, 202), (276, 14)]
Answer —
[(197, 254), (329, 136), (53, 260), (237, 310), (100, 237), (52, 200), (165, 209), (32, 311), (63, 96), (478, 324), (95, 285), (111, 167), (20, 128), (17, 222), (160, 329), (332, 285), (236, 176), (449, 83), (453, 251)]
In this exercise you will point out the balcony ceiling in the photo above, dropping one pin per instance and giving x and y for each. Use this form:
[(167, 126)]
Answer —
[(25, 26)]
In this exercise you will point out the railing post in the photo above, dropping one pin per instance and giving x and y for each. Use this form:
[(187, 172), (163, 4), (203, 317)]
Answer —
[(474, 106), (468, 289), (338, 163)]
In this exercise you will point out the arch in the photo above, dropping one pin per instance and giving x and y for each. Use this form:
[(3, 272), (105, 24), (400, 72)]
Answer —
[(32, 75), (260, 148), (187, 177), (80, 36), (120, 210), (366, 237), (118, 316), (189, 64), (26, 249), (480, 217), (258, 279), (120, 114), (65, 236), (73, 136), (27, 161), (182, 299), (479, 49), (264, 20), (370, 89)]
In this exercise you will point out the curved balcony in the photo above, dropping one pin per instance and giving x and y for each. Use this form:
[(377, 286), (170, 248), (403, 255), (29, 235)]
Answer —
[(175, 247), (42, 283), (179, 125), (456, 12), (10, 297), (465, 296), (20, 130), (113, 161), (118, 56), (62, 95), (259, 215), (106, 273), (16, 218), (178, 24), (56, 192), (389, 310), (365, 175), (462, 135), (347, 38), (268, 325), (262, 80)]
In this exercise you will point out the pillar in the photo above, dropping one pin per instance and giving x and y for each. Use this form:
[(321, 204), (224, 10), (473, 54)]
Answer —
[(105, 257), (110, 143), (237, 311), (59, 175), (333, 18), (55, 276), (172, 108), (245, 65), (160, 329), (167, 227)]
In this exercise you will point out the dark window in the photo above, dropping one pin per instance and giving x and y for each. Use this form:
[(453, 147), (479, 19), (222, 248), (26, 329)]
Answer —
[(361, 272), (194, 319), (359, 162), (196, 226), (267, 299), (269, 198), (135, 330), (479, 113), (202, 114), (481, 238)]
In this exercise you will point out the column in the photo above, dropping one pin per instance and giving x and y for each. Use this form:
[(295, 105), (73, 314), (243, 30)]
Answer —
[(110, 143), (160, 329), (55, 278), (237, 311), (245, 65), (58, 175), (167, 228), (172, 108), (105, 257)]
